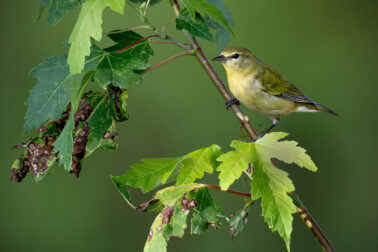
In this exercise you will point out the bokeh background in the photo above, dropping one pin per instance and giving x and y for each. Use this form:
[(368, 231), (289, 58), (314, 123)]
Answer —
[(327, 48)]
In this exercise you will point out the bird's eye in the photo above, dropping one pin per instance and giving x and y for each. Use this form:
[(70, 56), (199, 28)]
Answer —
[(235, 55)]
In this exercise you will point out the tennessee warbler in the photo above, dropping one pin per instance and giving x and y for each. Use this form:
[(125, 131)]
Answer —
[(260, 88)]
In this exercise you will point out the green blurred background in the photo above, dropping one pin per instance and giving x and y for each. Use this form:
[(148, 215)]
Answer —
[(327, 48)]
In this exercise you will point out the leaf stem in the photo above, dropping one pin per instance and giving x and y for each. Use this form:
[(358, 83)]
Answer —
[(137, 42), (228, 191), (166, 24), (131, 29), (173, 57), (310, 222)]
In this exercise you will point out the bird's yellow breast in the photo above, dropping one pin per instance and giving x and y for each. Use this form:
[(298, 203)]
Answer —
[(249, 90)]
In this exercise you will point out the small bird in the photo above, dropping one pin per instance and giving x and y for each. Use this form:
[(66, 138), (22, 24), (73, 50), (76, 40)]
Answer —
[(260, 88)]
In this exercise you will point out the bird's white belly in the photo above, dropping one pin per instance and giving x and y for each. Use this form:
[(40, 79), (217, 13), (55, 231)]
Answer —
[(250, 93)]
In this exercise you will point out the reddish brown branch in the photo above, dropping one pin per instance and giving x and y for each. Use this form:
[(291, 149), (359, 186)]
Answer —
[(173, 57), (229, 190), (137, 42)]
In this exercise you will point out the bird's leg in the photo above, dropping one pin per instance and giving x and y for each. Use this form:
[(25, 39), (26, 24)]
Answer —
[(231, 102), (275, 122)]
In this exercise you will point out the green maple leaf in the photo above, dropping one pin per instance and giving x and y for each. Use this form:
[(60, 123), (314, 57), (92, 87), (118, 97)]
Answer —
[(204, 8), (268, 182), (120, 69), (59, 8), (235, 162), (221, 34), (195, 27), (286, 151), (64, 144), (198, 225), (52, 93), (272, 185), (126, 38), (88, 26), (156, 171), (195, 164), (150, 173)]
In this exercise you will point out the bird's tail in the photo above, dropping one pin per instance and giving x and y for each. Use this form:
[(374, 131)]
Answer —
[(320, 107)]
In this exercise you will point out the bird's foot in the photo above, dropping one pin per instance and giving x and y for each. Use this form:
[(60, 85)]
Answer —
[(231, 102)]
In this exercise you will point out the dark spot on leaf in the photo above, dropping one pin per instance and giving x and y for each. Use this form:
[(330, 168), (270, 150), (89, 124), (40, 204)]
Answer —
[(110, 135), (142, 207), (186, 204), (150, 234), (211, 224), (167, 214), (245, 218), (159, 228)]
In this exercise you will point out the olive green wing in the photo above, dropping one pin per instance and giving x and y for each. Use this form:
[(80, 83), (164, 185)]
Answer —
[(274, 84)]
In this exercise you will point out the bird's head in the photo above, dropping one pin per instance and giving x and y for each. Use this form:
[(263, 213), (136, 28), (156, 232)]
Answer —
[(236, 58)]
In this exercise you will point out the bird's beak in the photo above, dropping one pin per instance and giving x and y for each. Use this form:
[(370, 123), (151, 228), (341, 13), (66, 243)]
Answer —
[(220, 58)]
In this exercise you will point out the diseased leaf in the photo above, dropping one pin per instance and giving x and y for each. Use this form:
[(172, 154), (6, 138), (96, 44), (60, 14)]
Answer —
[(195, 164), (88, 26), (64, 144), (156, 241), (59, 8), (150, 173), (237, 222), (207, 208), (286, 151), (177, 223), (169, 195), (235, 162), (195, 27), (171, 222)]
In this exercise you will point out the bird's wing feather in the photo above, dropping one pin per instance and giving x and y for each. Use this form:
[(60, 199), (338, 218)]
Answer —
[(274, 84)]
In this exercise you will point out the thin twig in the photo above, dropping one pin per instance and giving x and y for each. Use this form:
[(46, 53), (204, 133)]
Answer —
[(229, 190), (173, 57), (166, 24), (137, 42), (131, 29), (310, 222), (163, 42)]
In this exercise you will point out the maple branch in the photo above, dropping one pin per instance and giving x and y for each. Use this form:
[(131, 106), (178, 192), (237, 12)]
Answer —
[(229, 190), (173, 57), (305, 215)]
